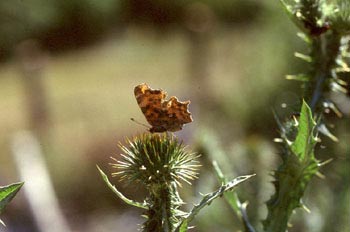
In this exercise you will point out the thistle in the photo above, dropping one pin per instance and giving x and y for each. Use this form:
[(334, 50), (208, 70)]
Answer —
[(159, 162)]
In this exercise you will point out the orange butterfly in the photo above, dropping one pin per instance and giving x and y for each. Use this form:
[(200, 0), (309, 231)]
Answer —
[(163, 115)]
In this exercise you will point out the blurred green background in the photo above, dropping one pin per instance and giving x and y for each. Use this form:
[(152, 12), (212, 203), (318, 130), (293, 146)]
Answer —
[(67, 73)]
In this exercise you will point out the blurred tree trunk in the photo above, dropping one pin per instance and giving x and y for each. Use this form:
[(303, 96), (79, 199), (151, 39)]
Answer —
[(199, 20), (31, 62), (31, 147)]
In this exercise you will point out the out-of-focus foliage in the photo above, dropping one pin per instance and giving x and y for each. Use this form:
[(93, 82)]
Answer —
[(163, 12), (73, 23), (58, 24)]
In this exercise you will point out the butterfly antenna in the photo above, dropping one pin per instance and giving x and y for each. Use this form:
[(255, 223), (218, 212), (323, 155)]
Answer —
[(137, 122)]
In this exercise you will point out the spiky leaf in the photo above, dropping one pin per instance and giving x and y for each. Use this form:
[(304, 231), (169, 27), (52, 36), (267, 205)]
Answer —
[(7, 193), (233, 200), (299, 165), (210, 197), (184, 225), (119, 194), (305, 141)]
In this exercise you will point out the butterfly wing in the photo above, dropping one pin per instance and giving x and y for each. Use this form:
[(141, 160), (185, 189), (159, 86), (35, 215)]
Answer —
[(162, 115), (151, 103), (177, 114)]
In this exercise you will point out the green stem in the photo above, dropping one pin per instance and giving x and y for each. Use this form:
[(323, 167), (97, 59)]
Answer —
[(317, 92), (288, 197), (161, 214), (325, 51)]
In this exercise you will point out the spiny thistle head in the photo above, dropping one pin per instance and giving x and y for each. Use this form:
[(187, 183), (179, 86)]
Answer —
[(156, 159), (308, 15), (340, 17)]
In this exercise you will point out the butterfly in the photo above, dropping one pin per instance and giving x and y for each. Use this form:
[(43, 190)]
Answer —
[(163, 115)]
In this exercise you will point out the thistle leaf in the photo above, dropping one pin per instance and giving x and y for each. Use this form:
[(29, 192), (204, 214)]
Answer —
[(209, 198), (231, 197), (119, 194), (298, 167), (233, 200), (7, 193), (305, 140), (184, 225)]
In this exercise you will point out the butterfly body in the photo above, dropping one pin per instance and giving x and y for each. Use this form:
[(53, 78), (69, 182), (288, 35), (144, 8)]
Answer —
[(163, 115)]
